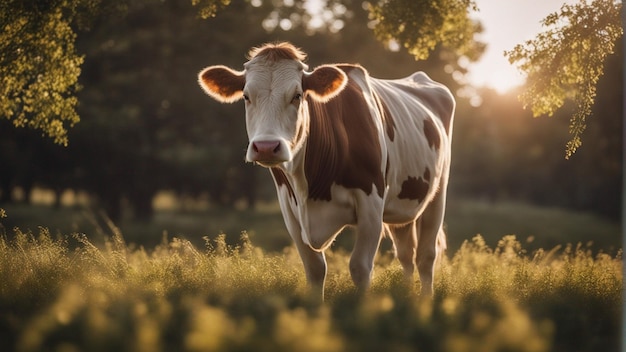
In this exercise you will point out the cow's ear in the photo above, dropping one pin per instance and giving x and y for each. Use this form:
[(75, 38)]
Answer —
[(324, 83), (222, 83)]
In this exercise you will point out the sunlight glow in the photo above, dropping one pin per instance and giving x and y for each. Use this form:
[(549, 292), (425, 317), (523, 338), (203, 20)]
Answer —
[(500, 76), (506, 24)]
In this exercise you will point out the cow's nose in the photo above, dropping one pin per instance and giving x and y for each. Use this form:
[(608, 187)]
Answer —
[(268, 152), (266, 148)]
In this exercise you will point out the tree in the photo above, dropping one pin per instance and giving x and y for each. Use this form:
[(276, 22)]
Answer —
[(420, 26), (39, 66), (39, 63), (566, 61), (209, 8)]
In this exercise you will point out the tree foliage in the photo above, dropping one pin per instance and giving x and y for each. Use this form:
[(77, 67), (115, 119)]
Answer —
[(209, 8), (420, 26), (39, 63), (566, 61), (39, 67)]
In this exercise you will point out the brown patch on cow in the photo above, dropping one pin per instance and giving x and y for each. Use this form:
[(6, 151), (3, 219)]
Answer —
[(277, 51), (281, 179), (387, 118), (414, 188), (431, 133), (343, 145)]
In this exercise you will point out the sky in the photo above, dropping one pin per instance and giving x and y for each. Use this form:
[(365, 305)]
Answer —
[(507, 23)]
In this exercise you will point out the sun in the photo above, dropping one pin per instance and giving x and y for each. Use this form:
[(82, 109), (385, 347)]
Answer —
[(505, 81), (496, 74)]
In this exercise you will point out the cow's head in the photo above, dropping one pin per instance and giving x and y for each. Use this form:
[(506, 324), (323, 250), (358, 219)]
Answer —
[(274, 85)]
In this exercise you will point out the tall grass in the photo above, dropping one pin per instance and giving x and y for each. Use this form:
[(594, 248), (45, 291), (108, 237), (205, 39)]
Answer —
[(546, 227), (65, 294)]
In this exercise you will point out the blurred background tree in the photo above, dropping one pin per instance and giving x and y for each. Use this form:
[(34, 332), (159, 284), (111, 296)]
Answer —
[(39, 63), (421, 26), (39, 66)]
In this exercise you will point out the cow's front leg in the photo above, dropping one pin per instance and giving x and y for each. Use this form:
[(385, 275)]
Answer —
[(365, 248), (369, 233), (314, 267), (314, 261)]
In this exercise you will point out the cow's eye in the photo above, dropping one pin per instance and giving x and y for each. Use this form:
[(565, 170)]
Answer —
[(246, 98), (296, 98)]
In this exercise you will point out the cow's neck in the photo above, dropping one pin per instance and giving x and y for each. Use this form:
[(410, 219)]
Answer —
[(325, 151), (294, 171), (317, 163)]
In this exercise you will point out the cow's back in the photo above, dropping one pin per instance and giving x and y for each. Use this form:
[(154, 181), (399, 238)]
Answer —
[(418, 115)]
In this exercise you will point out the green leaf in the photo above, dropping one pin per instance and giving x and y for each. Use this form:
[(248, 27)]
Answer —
[(566, 61)]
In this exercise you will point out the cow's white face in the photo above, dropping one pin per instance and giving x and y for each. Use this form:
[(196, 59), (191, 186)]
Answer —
[(276, 119), (276, 110)]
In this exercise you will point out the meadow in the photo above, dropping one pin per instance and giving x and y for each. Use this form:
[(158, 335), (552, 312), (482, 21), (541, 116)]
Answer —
[(63, 290)]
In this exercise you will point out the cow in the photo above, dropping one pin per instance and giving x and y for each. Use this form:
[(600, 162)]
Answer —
[(347, 149)]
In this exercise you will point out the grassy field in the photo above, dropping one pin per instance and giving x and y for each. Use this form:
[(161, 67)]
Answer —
[(66, 291), (536, 227), (65, 294)]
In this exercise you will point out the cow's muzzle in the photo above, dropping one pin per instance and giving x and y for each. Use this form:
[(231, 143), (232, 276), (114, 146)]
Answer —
[(268, 152)]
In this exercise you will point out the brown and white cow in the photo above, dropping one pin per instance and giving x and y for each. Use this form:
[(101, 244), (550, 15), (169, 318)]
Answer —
[(347, 149)]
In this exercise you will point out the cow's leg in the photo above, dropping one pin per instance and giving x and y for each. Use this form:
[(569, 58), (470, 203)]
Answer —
[(369, 233), (314, 261), (430, 224), (362, 258), (314, 266), (405, 244)]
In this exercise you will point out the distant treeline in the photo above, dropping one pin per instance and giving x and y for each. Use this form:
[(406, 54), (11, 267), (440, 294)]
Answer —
[(146, 126)]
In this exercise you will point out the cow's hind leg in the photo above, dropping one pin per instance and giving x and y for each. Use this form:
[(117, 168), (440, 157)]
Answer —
[(429, 244), (405, 243)]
